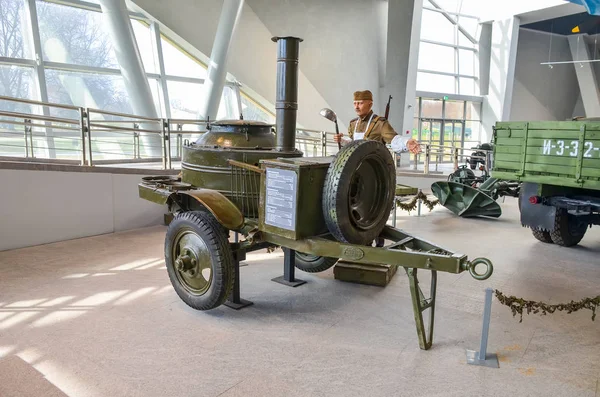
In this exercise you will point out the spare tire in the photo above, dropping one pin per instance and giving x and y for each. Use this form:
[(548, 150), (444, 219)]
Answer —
[(358, 194), (312, 263)]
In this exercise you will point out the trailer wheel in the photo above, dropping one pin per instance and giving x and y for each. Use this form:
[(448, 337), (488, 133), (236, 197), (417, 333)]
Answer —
[(358, 194), (542, 235), (568, 230), (199, 260), (312, 263)]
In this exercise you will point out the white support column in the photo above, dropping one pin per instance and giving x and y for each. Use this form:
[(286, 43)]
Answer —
[(404, 31), (217, 69), (157, 43), (483, 59), (116, 18), (503, 54), (588, 84)]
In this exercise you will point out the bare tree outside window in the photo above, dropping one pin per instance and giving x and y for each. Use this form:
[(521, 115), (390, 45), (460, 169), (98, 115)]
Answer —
[(77, 36), (15, 81)]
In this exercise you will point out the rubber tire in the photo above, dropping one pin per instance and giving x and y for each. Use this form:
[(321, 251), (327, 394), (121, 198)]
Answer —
[(336, 192), (315, 264), (209, 214), (222, 269), (542, 236), (566, 233)]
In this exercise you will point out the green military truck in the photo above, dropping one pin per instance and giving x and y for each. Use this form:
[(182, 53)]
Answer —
[(558, 163)]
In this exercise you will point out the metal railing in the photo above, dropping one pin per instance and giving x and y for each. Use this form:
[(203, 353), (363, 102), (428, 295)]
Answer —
[(441, 159), (36, 131)]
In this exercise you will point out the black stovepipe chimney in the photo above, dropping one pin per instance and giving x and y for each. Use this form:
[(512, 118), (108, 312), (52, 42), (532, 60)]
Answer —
[(286, 104)]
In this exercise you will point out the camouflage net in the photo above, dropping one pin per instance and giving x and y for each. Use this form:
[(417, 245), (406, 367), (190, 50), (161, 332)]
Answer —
[(412, 204), (518, 305)]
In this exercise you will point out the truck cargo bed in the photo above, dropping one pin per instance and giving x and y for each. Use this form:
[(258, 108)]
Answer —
[(562, 153)]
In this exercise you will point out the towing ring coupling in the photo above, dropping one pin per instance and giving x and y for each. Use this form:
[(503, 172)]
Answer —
[(471, 265)]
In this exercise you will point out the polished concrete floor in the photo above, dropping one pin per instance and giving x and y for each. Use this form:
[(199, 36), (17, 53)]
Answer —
[(98, 317)]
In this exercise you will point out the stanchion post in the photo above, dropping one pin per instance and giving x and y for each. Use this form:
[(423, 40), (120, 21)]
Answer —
[(427, 158), (482, 357), (456, 158)]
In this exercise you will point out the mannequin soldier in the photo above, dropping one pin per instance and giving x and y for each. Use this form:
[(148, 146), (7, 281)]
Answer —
[(368, 125)]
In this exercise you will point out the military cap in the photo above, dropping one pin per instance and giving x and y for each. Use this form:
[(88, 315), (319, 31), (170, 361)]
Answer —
[(363, 96)]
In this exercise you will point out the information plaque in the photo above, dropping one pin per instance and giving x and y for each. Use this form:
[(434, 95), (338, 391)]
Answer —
[(280, 206)]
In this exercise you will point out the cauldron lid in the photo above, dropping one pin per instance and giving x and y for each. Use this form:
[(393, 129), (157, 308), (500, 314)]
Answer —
[(242, 123)]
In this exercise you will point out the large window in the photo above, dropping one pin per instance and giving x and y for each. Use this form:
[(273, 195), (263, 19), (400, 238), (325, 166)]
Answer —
[(74, 36), (180, 63), (14, 41), (251, 110), (78, 66), (97, 91), (143, 37), (184, 99), (447, 51), (62, 52), (447, 122), (16, 82)]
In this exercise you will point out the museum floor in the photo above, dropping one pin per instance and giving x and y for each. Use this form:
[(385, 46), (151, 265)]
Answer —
[(98, 317)]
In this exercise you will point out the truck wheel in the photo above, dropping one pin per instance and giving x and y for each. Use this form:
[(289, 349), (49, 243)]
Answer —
[(568, 230), (312, 263), (358, 194), (542, 235), (199, 260)]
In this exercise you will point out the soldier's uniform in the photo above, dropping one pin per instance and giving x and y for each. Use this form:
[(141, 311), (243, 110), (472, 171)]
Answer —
[(372, 127)]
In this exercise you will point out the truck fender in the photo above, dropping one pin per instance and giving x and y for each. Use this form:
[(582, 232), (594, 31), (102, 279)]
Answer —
[(225, 212), (535, 216)]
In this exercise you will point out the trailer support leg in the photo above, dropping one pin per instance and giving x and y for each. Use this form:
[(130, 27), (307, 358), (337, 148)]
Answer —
[(234, 301), (420, 304), (289, 267)]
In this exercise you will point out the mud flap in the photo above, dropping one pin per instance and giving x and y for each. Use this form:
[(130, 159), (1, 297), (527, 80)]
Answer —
[(535, 216)]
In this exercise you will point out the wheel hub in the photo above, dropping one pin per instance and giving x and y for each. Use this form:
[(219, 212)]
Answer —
[(192, 262), (367, 193), (186, 262)]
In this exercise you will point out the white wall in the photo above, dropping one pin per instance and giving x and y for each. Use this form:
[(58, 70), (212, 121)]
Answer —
[(496, 104), (542, 93), (381, 13), (484, 58), (404, 29), (253, 55), (342, 45), (50, 206), (579, 110)]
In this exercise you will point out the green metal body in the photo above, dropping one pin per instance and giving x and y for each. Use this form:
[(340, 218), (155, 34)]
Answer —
[(303, 178), (405, 251), (561, 153), (559, 165), (465, 201), (306, 231), (307, 214), (256, 184), (205, 163), (182, 197)]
